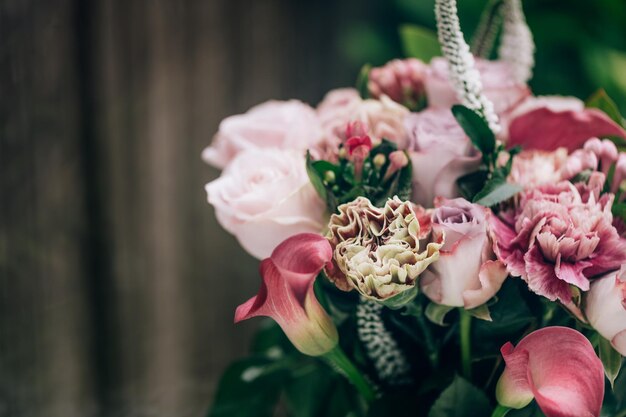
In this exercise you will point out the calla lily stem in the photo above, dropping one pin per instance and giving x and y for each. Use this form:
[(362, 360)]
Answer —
[(500, 411), (465, 332), (338, 360)]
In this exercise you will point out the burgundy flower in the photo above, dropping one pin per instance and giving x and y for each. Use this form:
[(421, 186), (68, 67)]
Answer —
[(560, 235)]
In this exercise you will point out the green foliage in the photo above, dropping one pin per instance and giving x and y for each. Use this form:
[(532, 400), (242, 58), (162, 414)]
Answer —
[(601, 100), (496, 190), (476, 129), (419, 42), (461, 399), (611, 359), (362, 81), (339, 183)]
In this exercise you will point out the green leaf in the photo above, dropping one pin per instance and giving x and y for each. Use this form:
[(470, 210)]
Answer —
[(611, 359), (419, 42), (481, 312), (531, 410), (258, 380), (461, 399), (436, 313), (476, 128), (362, 81), (619, 210), (472, 183), (496, 190), (316, 178), (601, 100)]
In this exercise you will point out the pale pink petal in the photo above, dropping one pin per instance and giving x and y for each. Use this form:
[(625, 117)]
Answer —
[(492, 275), (562, 373), (548, 130)]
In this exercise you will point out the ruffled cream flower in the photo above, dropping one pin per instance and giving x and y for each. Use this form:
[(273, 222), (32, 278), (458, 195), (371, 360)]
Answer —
[(380, 252)]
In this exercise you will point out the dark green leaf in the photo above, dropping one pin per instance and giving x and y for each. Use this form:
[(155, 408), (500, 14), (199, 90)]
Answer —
[(258, 380), (461, 399), (611, 359), (419, 42), (600, 100), (472, 183), (401, 299), (476, 128), (315, 178), (362, 81), (619, 210), (496, 190)]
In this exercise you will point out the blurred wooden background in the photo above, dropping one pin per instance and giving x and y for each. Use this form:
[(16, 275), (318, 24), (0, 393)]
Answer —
[(117, 286)]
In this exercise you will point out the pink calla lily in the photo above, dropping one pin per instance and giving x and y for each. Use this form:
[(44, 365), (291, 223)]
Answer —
[(556, 366), (547, 130), (286, 294)]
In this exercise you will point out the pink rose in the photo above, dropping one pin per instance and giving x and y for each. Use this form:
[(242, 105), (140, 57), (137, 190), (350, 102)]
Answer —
[(561, 235), (263, 197), (384, 117), (548, 123), (605, 308), (499, 85), (440, 153), (402, 80), (467, 273), (273, 124)]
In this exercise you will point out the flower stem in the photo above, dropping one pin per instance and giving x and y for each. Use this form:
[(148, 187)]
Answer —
[(339, 361), (500, 411), (465, 332)]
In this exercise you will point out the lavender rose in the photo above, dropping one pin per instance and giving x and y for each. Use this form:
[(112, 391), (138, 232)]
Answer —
[(263, 197), (467, 273), (273, 124), (440, 153), (499, 85)]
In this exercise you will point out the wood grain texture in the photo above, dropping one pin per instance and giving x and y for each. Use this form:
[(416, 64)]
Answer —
[(117, 285)]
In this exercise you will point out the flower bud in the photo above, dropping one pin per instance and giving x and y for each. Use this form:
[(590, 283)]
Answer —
[(287, 296), (379, 160)]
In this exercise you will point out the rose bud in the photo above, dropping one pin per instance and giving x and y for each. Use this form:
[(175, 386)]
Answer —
[(467, 273), (619, 175), (264, 197), (397, 161), (556, 366), (400, 80), (605, 308), (605, 151), (273, 124), (287, 296), (378, 251)]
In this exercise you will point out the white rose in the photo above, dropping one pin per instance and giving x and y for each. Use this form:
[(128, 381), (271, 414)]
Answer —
[(263, 197), (605, 308), (273, 124)]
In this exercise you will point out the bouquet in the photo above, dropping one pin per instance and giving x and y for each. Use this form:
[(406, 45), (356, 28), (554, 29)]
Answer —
[(436, 242)]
